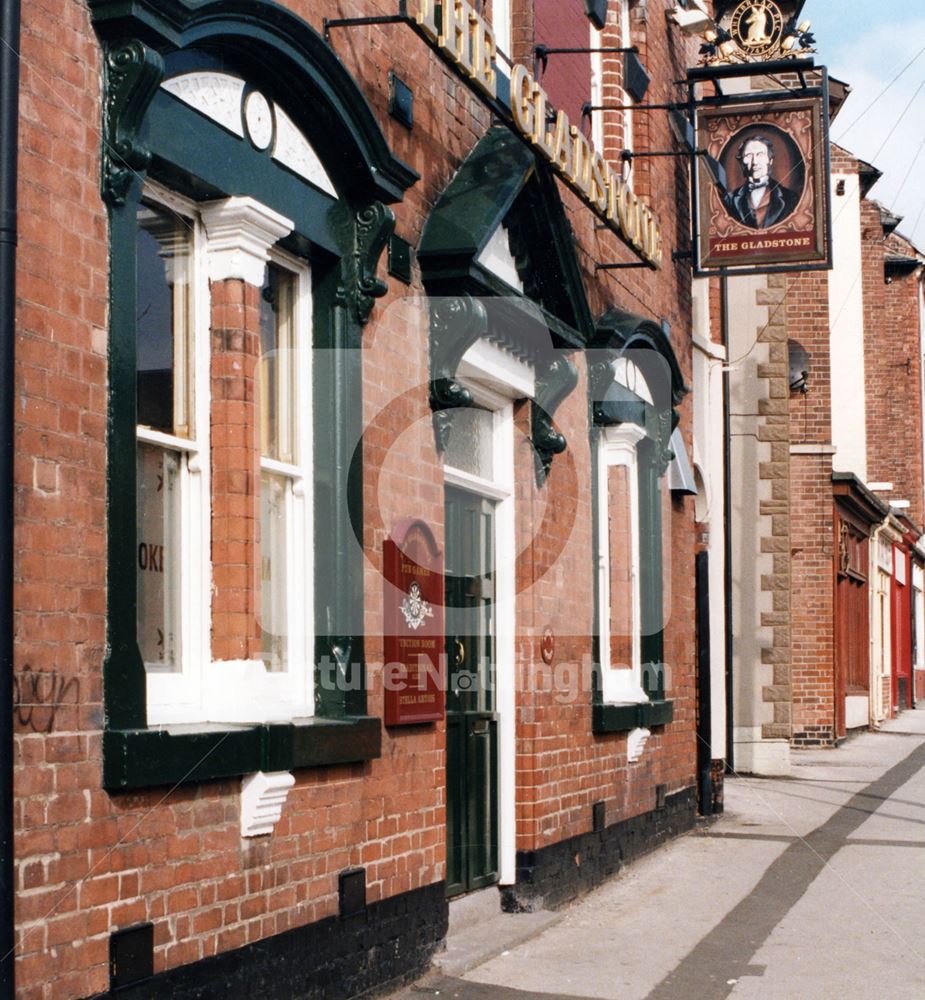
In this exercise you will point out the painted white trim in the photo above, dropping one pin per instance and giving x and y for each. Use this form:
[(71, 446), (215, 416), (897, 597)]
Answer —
[(474, 484), (241, 231), (596, 41), (636, 744), (215, 95), (501, 28), (505, 667), (617, 447), (497, 257), (715, 351), (299, 693), (857, 711), (175, 697), (496, 373), (294, 151), (812, 449), (236, 691), (498, 398), (244, 691), (262, 799)]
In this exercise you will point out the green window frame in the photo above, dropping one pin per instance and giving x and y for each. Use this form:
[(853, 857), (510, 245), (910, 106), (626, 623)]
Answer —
[(147, 132), (623, 335)]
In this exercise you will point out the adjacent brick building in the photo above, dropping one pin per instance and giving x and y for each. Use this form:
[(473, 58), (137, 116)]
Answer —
[(826, 590)]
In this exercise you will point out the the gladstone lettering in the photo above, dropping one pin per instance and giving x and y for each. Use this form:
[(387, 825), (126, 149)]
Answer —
[(462, 35)]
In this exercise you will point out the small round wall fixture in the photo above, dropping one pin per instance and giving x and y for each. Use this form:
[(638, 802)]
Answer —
[(258, 119), (548, 645)]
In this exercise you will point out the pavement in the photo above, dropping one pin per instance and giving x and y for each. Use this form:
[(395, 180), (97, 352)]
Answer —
[(808, 886)]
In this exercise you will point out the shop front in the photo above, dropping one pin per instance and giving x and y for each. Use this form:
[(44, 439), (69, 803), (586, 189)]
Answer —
[(857, 512)]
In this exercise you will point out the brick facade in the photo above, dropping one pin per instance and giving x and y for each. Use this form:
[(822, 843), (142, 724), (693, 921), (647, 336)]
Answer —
[(90, 862)]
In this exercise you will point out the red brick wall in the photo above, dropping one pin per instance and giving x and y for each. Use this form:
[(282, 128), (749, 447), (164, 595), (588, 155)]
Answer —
[(90, 862), (567, 80), (893, 376), (812, 516)]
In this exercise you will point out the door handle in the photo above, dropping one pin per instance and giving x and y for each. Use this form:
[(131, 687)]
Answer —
[(460, 651), (480, 727)]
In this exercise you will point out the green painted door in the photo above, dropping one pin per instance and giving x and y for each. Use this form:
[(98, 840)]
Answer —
[(471, 723)]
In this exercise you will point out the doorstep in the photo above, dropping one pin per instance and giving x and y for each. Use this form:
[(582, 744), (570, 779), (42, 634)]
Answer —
[(479, 931)]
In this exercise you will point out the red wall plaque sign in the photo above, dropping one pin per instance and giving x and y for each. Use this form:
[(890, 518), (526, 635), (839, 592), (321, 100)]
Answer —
[(413, 641)]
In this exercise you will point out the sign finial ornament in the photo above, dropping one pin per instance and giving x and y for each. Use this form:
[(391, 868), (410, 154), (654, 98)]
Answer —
[(749, 31), (757, 26)]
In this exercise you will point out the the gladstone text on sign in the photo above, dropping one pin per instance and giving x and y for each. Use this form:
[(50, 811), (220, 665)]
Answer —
[(463, 36)]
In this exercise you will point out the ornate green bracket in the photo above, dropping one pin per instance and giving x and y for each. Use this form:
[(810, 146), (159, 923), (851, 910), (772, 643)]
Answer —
[(456, 323), (133, 74), (371, 228), (554, 381)]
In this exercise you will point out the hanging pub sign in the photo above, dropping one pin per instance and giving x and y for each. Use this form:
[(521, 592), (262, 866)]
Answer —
[(413, 618), (767, 207)]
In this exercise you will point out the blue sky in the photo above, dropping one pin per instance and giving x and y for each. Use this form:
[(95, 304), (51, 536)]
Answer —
[(866, 45)]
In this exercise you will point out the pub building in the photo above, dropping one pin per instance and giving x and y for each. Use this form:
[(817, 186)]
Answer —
[(354, 504)]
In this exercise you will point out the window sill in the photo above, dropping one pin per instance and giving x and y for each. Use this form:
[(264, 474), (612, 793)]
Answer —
[(613, 717), (176, 755)]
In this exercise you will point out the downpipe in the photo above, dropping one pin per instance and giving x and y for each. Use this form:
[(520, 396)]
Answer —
[(9, 150)]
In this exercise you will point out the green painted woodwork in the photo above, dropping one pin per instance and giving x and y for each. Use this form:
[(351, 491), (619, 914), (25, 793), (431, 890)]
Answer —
[(475, 203), (344, 239), (620, 333), (471, 723), (142, 758), (338, 504), (501, 181), (456, 323), (274, 46), (609, 718), (370, 229), (123, 669), (234, 167), (555, 379), (133, 75)]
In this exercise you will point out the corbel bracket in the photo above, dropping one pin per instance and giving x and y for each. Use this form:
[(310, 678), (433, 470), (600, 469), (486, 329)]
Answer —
[(600, 378), (456, 323), (554, 381), (372, 227), (133, 74)]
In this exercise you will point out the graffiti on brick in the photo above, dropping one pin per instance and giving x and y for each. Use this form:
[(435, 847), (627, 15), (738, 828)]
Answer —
[(38, 696)]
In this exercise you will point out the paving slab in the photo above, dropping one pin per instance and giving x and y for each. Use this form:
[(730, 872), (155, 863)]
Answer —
[(808, 886)]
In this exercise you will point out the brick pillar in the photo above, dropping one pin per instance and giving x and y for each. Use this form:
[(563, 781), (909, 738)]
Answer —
[(235, 469), (240, 234)]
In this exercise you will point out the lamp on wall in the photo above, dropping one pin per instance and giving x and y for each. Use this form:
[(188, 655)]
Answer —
[(799, 367)]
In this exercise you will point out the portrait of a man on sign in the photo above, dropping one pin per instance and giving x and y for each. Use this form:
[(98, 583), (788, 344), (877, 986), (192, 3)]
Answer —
[(762, 194), (764, 198)]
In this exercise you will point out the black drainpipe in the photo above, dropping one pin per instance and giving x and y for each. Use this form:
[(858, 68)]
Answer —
[(9, 149), (727, 531)]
